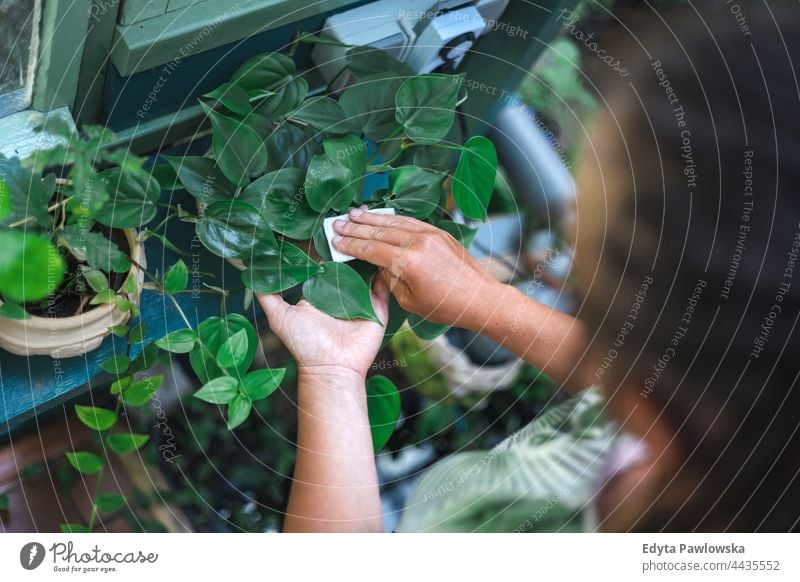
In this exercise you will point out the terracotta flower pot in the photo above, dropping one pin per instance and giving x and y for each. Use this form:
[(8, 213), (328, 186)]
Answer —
[(64, 337)]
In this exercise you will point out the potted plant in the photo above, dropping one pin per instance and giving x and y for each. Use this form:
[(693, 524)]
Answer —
[(71, 266)]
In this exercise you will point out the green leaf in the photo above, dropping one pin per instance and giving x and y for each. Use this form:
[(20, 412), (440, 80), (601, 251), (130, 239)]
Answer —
[(141, 392), (415, 191), (178, 342), (120, 384), (473, 181), (264, 72), (364, 61), (433, 158), (340, 292), (134, 198), (236, 230), (397, 317), (119, 330), (328, 184), (5, 199), (177, 278), (116, 364), (109, 502), (325, 114), (232, 97), (279, 196), (13, 311), (425, 329), (233, 351), (238, 410), (26, 193), (4, 502), (285, 99), (84, 462), (213, 332), (351, 152), (371, 104), (73, 528), (383, 406), (259, 384), (202, 178), (289, 146), (96, 418), (137, 334), (219, 390), (240, 152), (146, 358), (97, 280), (95, 249), (426, 106), (23, 262), (122, 443), (278, 273)]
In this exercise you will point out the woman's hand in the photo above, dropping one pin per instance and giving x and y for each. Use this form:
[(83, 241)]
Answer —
[(321, 343), (428, 271)]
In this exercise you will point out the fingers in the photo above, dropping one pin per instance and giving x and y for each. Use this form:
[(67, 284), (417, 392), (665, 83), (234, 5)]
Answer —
[(394, 283), (380, 299), (275, 309), (388, 235), (359, 216), (375, 252)]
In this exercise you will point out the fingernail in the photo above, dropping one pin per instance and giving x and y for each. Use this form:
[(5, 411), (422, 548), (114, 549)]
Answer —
[(364, 207), (356, 212), (336, 240), (338, 225)]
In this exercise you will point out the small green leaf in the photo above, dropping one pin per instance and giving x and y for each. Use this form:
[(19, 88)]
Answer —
[(219, 390), (96, 418), (13, 311), (120, 384), (109, 502), (259, 384), (116, 364), (137, 334), (233, 351), (426, 106), (240, 152), (73, 528), (84, 462), (122, 443), (119, 330), (276, 274), (141, 392), (238, 410), (328, 184), (178, 342), (232, 97), (473, 181), (213, 332), (177, 278), (97, 280), (383, 407), (340, 292)]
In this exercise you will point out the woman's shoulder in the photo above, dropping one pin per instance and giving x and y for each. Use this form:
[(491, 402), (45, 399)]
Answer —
[(541, 478)]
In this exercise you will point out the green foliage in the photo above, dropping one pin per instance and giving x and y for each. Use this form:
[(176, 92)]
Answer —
[(383, 406), (339, 290)]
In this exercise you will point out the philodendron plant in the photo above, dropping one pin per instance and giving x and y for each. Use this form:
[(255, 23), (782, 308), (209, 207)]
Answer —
[(283, 161)]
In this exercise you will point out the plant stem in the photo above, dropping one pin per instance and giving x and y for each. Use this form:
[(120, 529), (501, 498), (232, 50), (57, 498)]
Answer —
[(99, 482), (51, 208)]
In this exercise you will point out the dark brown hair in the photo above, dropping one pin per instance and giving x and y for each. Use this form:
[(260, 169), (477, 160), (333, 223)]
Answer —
[(708, 132)]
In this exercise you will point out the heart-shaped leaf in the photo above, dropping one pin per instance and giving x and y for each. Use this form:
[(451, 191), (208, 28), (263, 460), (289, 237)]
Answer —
[(290, 147), (141, 392), (233, 97), (213, 332), (285, 99), (351, 152), (240, 152), (96, 418), (180, 341), (236, 230), (264, 72), (364, 61), (426, 106), (233, 351), (177, 278), (109, 502), (473, 181), (415, 191), (328, 184), (278, 273), (133, 198), (371, 104), (339, 291), (325, 114), (279, 196), (383, 407), (85, 462), (126, 442), (202, 178)]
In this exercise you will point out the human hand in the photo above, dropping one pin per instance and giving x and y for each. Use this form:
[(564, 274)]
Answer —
[(429, 272), (321, 343)]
